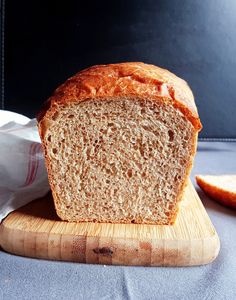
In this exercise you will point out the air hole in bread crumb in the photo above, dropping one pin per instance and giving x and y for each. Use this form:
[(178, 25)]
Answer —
[(129, 173), (104, 131), (177, 178), (143, 110), (133, 140), (49, 138), (141, 150), (143, 103), (171, 135), (55, 115), (54, 151), (71, 116)]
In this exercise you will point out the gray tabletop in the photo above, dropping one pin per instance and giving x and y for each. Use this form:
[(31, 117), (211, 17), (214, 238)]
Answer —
[(25, 278)]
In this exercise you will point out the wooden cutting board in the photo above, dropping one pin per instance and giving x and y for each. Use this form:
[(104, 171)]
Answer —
[(36, 231)]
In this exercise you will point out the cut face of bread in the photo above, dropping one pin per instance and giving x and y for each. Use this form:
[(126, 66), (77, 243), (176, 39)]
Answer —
[(222, 188), (120, 160)]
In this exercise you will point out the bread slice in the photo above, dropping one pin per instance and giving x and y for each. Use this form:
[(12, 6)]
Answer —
[(119, 142), (221, 188)]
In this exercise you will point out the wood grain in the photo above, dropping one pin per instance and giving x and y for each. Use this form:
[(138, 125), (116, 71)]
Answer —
[(35, 231)]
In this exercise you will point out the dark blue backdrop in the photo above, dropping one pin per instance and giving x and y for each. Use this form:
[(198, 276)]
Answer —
[(48, 41)]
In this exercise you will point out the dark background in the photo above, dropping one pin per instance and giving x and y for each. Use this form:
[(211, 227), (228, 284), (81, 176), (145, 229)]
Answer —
[(48, 41)]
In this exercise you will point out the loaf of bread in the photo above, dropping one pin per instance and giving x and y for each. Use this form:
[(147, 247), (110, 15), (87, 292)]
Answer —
[(119, 142), (221, 188)]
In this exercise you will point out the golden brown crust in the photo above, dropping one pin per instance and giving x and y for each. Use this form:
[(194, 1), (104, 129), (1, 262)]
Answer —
[(123, 80), (221, 195)]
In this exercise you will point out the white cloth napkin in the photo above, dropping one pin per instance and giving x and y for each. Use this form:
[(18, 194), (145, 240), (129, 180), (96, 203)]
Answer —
[(23, 176)]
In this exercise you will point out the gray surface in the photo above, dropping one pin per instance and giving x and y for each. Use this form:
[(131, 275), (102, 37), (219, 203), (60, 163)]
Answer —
[(25, 278)]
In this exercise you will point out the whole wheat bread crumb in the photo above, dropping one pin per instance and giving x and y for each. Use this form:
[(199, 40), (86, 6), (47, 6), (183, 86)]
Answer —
[(221, 188), (123, 158)]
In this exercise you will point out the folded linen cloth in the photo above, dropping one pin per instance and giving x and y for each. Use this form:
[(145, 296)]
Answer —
[(23, 176)]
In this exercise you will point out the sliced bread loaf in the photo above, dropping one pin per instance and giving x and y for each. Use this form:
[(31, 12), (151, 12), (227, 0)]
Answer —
[(119, 142), (221, 188)]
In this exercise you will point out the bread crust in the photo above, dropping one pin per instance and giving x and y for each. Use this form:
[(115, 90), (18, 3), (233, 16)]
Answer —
[(117, 81), (122, 80), (217, 193)]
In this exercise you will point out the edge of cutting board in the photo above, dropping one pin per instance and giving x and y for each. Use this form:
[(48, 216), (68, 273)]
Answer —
[(35, 231)]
